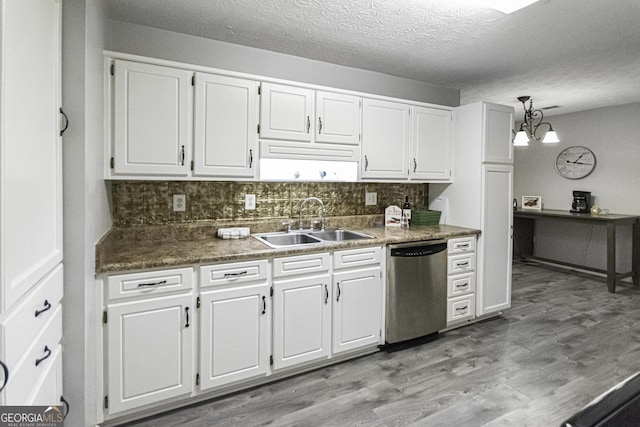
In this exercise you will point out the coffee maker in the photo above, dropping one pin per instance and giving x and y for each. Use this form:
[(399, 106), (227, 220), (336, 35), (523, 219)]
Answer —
[(581, 201)]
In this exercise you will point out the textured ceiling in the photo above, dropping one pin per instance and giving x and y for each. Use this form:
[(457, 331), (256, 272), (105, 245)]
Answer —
[(576, 54)]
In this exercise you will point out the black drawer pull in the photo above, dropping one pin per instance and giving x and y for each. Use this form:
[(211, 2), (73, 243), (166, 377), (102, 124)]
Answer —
[(264, 305), (462, 246), (66, 405), (45, 357), (338, 298), (326, 294), (186, 313), (462, 308), (464, 286), (6, 375), (162, 282), (464, 264), (47, 306), (242, 273)]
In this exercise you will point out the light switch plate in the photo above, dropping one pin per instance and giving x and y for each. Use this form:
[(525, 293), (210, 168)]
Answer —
[(249, 202), (370, 199), (179, 202)]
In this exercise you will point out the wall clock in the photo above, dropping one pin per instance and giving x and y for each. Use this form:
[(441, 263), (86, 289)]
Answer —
[(575, 162)]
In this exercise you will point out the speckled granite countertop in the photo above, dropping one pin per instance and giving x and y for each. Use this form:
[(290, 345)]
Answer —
[(127, 249)]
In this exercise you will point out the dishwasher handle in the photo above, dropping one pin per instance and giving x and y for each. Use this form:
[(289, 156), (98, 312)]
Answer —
[(419, 250)]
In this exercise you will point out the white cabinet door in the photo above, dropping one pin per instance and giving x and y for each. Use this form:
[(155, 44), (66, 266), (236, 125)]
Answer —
[(337, 118), (302, 320), (385, 139), (286, 112), (431, 144), (234, 334), (149, 351), (151, 119), (498, 121), (225, 135), (495, 241), (30, 146), (357, 308)]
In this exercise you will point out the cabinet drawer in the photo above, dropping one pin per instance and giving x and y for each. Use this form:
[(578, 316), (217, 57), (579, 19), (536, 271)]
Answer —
[(461, 308), (303, 264), (461, 245), (356, 257), (24, 323), (233, 273), (36, 361), (461, 284), (149, 283), (461, 263)]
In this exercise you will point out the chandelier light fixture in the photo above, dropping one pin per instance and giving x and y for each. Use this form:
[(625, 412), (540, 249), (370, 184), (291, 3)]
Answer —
[(533, 119)]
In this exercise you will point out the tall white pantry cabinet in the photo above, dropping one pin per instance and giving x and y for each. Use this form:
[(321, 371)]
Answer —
[(482, 196), (31, 278)]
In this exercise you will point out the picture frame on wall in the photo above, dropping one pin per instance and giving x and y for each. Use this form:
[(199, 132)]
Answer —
[(532, 202)]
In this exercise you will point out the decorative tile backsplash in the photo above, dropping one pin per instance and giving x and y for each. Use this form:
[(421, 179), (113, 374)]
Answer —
[(151, 202)]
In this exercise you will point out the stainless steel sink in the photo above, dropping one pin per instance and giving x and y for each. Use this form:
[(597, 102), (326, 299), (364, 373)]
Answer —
[(302, 238), (339, 235)]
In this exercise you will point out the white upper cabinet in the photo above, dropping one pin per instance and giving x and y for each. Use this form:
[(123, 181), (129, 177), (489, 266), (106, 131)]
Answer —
[(497, 147), (226, 116), (337, 118), (152, 122), (286, 112), (385, 139), (431, 145)]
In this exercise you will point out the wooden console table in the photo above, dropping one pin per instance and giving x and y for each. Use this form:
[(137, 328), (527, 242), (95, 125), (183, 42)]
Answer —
[(524, 231)]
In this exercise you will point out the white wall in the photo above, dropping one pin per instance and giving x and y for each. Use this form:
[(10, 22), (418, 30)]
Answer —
[(613, 135), (86, 211), (155, 43)]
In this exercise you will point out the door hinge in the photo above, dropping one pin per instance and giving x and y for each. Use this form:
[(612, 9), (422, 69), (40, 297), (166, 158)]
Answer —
[(271, 360), (106, 402), (198, 302), (113, 69), (112, 163), (104, 317), (259, 89), (192, 164), (193, 80), (258, 127), (197, 379)]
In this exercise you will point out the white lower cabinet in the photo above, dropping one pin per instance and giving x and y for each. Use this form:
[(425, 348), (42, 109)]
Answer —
[(461, 280), (301, 312), (149, 344), (235, 321), (357, 299)]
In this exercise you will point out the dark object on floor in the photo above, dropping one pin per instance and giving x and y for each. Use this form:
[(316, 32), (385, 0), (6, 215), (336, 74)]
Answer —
[(619, 407)]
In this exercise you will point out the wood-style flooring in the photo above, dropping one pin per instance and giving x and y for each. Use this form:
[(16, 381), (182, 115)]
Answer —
[(565, 341)]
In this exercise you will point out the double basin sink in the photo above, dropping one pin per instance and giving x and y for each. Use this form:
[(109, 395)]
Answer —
[(302, 238)]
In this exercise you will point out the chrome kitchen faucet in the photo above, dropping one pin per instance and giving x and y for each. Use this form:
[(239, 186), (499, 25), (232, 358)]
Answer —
[(322, 215)]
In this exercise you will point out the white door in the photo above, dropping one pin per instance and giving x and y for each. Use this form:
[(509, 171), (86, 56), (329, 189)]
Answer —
[(286, 112), (497, 146), (431, 144), (357, 309), (225, 128), (152, 119), (234, 334), (495, 242), (149, 351), (30, 149), (302, 320), (337, 118), (385, 139)]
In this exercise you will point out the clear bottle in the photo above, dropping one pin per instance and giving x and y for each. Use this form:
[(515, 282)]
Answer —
[(406, 212)]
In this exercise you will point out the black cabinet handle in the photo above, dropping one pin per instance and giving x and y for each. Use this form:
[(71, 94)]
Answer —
[(45, 357), (264, 305), (326, 294), (415, 165), (66, 121), (366, 163), (47, 306), (186, 313), (182, 156), (6, 375), (338, 298), (250, 159), (308, 123), (162, 282), (462, 308), (242, 273), (319, 125), (66, 405)]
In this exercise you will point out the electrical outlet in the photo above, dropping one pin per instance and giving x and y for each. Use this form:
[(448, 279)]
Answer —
[(370, 199), (179, 202), (249, 202)]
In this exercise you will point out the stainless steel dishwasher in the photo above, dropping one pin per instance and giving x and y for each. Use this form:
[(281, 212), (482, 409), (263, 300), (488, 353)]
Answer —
[(416, 290)]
